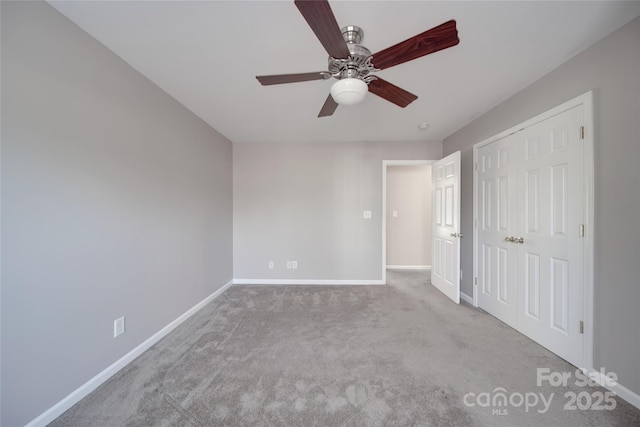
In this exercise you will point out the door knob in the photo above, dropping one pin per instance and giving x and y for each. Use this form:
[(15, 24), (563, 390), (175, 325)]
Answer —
[(454, 235), (520, 240)]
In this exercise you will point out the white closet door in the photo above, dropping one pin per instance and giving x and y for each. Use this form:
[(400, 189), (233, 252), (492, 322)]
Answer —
[(445, 269), (529, 252), (550, 267), (497, 222)]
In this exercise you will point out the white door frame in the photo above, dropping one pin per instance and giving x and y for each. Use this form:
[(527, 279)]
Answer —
[(586, 100), (386, 163)]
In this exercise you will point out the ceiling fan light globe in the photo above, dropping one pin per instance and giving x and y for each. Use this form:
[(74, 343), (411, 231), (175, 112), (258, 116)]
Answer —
[(349, 91)]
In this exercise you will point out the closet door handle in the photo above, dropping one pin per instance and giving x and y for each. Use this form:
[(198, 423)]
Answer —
[(512, 239)]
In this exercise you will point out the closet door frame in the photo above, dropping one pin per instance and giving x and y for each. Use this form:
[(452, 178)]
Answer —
[(586, 100)]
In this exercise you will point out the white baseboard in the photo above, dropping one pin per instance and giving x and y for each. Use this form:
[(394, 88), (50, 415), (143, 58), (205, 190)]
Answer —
[(620, 390), (466, 298), (306, 282), (409, 267), (56, 410)]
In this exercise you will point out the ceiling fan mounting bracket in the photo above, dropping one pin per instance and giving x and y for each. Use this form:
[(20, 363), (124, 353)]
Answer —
[(352, 34)]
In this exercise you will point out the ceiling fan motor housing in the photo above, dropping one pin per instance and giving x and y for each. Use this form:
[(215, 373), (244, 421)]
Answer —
[(358, 64)]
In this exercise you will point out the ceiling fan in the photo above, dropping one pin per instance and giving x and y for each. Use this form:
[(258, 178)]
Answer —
[(352, 64)]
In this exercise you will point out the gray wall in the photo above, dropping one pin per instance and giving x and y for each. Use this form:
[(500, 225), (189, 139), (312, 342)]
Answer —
[(304, 202), (611, 68), (409, 233), (116, 201)]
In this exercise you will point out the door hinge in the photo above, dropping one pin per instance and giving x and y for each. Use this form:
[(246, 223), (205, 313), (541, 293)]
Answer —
[(581, 230), (581, 132), (476, 166), (581, 327), (475, 223), (475, 281)]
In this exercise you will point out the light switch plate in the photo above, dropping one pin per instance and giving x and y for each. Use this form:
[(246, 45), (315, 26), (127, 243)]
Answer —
[(118, 326), (366, 214)]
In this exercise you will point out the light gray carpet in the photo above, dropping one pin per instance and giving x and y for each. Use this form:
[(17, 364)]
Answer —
[(397, 355)]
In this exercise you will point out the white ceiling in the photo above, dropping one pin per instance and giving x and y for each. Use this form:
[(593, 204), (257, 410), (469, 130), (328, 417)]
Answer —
[(206, 55)]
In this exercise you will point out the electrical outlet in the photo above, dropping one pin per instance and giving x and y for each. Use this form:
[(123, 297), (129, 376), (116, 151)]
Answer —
[(118, 326), (294, 265), (270, 265)]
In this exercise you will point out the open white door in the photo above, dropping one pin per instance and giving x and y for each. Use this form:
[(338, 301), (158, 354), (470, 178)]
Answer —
[(445, 271)]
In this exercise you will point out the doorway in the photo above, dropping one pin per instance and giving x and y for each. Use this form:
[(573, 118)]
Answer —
[(406, 215)]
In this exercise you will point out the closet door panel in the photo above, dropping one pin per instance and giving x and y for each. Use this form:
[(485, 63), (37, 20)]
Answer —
[(550, 179), (496, 222)]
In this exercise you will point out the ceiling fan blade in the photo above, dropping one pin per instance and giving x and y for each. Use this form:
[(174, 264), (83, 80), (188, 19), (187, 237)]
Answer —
[(329, 107), (433, 40), (391, 92), (320, 18), (277, 79)]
